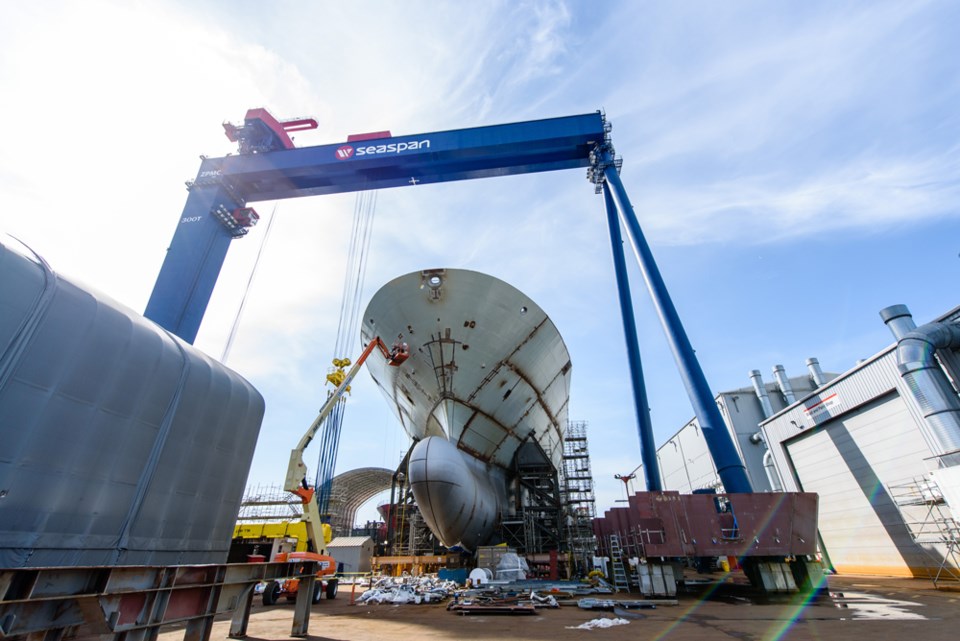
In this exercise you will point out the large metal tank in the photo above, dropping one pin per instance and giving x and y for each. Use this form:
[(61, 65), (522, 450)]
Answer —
[(119, 443)]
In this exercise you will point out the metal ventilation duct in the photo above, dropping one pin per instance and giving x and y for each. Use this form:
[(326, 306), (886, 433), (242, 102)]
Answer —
[(761, 391), (781, 375), (773, 476), (899, 320), (815, 372), (916, 359)]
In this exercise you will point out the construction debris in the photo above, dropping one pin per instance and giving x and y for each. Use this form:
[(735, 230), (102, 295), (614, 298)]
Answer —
[(408, 589), (485, 597), (543, 600)]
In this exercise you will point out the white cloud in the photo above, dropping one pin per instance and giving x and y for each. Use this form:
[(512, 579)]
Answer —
[(805, 122), (111, 99), (865, 194)]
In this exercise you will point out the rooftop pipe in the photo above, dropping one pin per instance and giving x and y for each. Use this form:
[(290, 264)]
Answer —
[(781, 375), (757, 379), (769, 467), (813, 365)]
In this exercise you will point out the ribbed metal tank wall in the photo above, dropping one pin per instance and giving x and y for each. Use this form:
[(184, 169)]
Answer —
[(121, 445)]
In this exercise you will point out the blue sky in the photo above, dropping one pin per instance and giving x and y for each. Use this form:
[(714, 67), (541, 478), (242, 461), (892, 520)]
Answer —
[(794, 167)]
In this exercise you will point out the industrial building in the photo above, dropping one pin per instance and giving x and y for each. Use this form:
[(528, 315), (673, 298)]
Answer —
[(861, 441), (353, 553), (685, 461), (880, 444)]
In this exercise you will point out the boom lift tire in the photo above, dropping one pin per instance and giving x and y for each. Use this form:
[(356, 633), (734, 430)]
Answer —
[(332, 588), (317, 591), (271, 593)]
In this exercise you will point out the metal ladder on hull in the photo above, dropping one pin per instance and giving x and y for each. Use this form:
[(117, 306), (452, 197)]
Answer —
[(620, 580)]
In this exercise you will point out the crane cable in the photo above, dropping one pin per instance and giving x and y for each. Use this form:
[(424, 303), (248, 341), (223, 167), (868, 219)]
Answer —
[(363, 214), (246, 291)]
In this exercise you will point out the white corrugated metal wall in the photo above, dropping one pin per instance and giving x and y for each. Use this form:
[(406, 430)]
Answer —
[(850, 441), (685, 462), (848, 461)]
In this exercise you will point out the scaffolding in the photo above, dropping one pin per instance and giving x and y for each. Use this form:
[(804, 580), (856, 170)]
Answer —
[(407, 531), (578, 497), (537, 524), (931, 523), (264, 503)]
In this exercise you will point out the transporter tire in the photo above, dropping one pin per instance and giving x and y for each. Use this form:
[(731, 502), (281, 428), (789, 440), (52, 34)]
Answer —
[(271, 593)]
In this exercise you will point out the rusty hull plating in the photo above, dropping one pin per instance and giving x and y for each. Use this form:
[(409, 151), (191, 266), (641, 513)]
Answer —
[(670, 524)]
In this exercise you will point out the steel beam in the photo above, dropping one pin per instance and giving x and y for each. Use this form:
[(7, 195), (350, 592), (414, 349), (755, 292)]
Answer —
[(478, 152), (195, 257), (192, 263), (126, 603), (648, 447), (730, 467)]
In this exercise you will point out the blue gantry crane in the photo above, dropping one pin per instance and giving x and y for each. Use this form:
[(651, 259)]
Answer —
[(269, 167)]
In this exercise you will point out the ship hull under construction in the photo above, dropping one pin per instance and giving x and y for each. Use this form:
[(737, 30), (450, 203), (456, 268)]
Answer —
[(487, 371)]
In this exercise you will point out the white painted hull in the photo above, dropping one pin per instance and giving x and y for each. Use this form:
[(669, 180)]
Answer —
[(487, 369)]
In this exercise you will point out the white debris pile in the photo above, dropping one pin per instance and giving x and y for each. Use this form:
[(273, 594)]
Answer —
[(408, 589), (598, 623)]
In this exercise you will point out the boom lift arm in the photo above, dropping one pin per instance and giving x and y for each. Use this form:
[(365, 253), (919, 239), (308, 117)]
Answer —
[(296, 481)]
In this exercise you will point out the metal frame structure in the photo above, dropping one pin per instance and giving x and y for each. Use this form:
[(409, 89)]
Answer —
[(578, 497), (538, 524), (932, 525), (216, 212), (772, 535), (407, 532), (132, 603)]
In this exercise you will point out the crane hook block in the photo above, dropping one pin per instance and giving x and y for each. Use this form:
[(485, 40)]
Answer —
[(336, 378)]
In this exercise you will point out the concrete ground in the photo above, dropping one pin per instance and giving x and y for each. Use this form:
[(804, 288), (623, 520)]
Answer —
[(865, 608)]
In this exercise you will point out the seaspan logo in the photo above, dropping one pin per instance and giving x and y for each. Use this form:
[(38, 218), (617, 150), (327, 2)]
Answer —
[(347, 151)]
